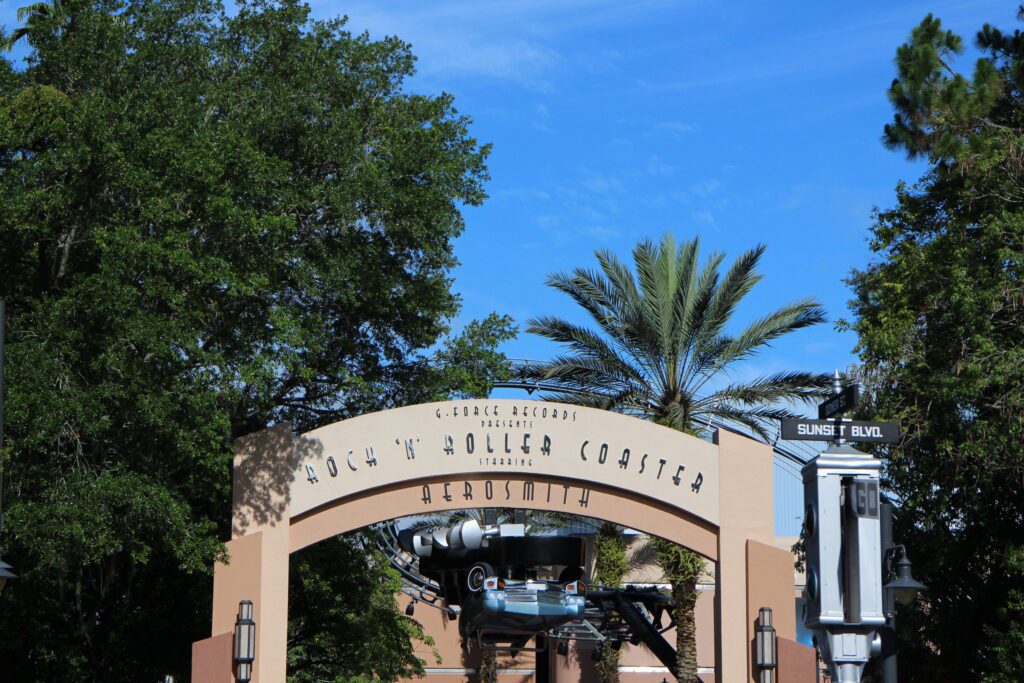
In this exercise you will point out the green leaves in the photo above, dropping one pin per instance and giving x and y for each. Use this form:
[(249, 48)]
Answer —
[(661, 338), (940, 113), (344, 620), (211, 221), (939, 319), (86, 519)]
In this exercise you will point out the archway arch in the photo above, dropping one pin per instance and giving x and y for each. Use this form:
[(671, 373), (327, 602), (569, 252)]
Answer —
[(507, 491), (292, 491)]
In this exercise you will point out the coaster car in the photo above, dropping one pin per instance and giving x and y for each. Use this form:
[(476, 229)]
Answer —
[(488, 578), (460, 557), (512, 607)]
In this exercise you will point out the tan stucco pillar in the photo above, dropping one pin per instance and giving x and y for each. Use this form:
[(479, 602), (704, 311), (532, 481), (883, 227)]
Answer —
[(746, 513), (211, 660), (770, 584), (257, 566)]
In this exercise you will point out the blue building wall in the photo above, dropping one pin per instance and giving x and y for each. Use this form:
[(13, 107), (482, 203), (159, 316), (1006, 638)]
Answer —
[(789, 497)]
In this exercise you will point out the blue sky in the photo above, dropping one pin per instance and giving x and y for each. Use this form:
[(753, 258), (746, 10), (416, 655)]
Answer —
[(616, 120)]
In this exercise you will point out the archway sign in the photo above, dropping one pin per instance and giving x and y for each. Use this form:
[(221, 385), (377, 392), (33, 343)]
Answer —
[(290, 491)]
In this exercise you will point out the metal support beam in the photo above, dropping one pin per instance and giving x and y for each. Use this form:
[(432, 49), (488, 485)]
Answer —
[(542, 662)]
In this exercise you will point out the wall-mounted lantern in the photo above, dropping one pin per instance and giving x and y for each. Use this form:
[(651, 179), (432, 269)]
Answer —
[(245, 642), (766, 646)]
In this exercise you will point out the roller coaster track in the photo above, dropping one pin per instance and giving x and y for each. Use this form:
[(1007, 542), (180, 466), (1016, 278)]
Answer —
[(384, 538), (795, 453)]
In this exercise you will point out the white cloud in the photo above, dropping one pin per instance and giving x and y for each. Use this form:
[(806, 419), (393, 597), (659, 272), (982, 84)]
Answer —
[(797, 197), (656, 166), (601, 233), (674, 128), (706, 188), (602, 184), (705, 219), (794, 56), (521, 193), (511, 40)]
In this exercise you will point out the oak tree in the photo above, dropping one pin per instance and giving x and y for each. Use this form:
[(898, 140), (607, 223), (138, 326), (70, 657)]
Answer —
[(940, 320), (211, 220)]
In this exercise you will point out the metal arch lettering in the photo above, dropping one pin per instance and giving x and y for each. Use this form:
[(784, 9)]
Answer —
[(429, 443)]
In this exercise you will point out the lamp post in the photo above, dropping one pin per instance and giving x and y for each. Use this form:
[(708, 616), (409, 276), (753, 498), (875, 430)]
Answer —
[(766, 646), (245, 642), (5, 569), (902, 583), (900, 587)]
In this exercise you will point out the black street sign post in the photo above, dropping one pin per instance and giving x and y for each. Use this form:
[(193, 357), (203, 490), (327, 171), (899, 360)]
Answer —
[(851, 430), (841, 402), (843, 536)]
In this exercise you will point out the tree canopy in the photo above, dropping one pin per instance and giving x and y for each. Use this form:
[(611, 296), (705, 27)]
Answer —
[(211, 221), (940, 320)]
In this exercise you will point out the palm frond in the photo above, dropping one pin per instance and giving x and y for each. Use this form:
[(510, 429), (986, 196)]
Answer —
[(642, 555), (789, 318), (761, 420), (580, 339), (662, 337), (790, 387), (584, 399), (586, 344), (685, 296), (589, 290), (659, 271), (627, 401), (543, 521), (651, 272), (621, 280), (433, 521), (580, 370), (736, 284), (12, 38), (693, 336), (634, 328), (36, 9)]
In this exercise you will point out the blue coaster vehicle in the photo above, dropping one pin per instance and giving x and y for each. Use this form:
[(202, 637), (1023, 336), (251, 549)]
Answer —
[(530, 606), (490, 579)]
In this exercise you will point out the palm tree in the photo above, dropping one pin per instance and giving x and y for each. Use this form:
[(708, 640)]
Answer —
[(32, 16), (611, 563), (661, 351)]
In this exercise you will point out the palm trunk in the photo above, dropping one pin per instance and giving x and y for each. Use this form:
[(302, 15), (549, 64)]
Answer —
[(682, 568), (488, 666), (610, 567), (607, 666), (684, 597)]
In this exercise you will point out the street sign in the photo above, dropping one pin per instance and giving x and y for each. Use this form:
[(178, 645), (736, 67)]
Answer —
[(839, 403), (851, 430)]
